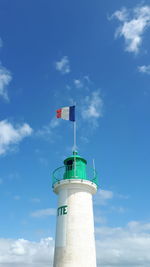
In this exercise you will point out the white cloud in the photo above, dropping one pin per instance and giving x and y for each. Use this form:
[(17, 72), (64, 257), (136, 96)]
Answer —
[(87, 79), (116, 247), (43, 213), (1, 180), (136, 226), (68, 87), (133, 25), (78, 83), (102, 196), (5, 79), (118, 209), (99, 217), (17, 197), (11, 135), (144, 69), (46, 131), (35, 200), (82, 83), (92, 107), (63, 65), (121, 15), (122, 247), (54, 123), (25, 253), (122, 196), (84, 139)]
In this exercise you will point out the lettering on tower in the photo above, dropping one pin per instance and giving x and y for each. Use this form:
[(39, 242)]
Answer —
[(62, 210)]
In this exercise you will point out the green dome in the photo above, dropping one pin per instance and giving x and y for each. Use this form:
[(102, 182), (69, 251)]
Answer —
[(74, 157), (75, 167)]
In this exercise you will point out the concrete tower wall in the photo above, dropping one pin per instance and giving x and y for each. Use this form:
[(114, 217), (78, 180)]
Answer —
[(75, 242)]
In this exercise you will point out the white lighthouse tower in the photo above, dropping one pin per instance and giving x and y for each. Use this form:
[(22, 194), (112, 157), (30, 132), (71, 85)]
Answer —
[(75, 242)]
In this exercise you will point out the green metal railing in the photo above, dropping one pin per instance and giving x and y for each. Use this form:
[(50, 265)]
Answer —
[(74, 172)]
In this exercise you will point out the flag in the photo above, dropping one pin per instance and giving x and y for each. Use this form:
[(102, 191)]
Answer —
[(66, 113)]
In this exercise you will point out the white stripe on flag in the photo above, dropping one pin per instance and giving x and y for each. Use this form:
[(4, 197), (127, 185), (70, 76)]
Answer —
[(65, 113)]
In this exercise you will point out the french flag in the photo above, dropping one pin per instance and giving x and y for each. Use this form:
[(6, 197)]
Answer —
[(66, 113)]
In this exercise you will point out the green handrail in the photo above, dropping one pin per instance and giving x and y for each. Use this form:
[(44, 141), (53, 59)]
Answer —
[(74, 172)]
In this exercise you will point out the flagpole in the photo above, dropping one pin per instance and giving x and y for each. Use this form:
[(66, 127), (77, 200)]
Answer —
[(75, 143), (75, 136)]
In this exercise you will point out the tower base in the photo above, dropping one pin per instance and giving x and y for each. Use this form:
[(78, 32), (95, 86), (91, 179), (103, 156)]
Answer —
[(75, 242)]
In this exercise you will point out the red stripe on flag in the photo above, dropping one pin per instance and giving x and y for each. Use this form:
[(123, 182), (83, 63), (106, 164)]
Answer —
[(58, 113)]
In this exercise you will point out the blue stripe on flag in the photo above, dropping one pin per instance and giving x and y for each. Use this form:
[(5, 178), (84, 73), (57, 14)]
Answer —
[(72, 113)]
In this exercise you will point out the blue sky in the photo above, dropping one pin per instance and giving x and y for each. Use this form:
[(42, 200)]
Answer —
[(52, 54)]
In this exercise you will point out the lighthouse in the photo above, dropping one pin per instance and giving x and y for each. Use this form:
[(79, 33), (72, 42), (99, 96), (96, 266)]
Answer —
[(75, 186)]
